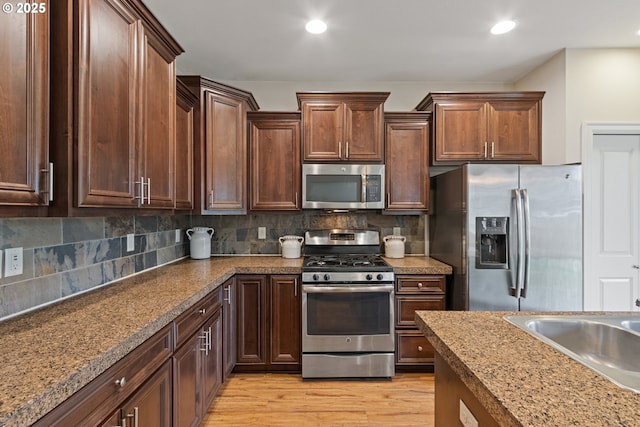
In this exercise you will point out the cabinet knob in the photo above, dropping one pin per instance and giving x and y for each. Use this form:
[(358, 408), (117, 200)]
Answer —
[(419, 348), (420, 285), (121, 382), (202, 311)]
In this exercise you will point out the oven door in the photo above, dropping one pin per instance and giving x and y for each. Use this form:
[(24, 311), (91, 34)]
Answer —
[(347, 318)]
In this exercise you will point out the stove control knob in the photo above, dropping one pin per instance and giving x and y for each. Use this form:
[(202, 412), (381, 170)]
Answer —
[(369, 276), (380, 276), (316, 277), (327, 277)]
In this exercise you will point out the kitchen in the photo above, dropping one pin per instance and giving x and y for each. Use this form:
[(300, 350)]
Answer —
[(88, 253)]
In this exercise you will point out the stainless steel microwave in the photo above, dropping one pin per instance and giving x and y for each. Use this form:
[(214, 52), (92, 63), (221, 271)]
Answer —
[(342, 186)]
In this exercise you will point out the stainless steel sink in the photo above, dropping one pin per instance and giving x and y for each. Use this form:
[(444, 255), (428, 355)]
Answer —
[(608, 344)]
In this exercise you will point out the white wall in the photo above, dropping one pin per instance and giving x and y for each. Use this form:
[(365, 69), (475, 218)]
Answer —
[(550, 77), (603, 85), (281, 96), (595, 85)]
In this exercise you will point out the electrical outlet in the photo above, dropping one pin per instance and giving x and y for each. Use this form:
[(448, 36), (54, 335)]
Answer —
[(466, 417), (178, 235), (13, 263), (130, 242), (262, 233), (396, 231)]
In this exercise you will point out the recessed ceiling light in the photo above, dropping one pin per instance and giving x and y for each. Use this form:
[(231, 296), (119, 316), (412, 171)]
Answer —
[(316, 26), (503, 27)]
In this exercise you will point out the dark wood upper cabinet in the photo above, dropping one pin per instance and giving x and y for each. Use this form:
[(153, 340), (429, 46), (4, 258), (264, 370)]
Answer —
[(157, 164), (185, 103), (113, 85), (501, 127), (342, 126), (274, 161), (24, 111), (220, 154), (407, 162)]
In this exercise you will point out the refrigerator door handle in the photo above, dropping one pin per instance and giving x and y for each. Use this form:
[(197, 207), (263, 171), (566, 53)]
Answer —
[(527, 241), (515, 291)]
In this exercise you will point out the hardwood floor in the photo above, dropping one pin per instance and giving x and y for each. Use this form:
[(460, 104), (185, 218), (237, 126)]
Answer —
[(270, 400)]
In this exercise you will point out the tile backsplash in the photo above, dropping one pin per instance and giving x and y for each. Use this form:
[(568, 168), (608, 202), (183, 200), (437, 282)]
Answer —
[(63, 257), (66, 256)]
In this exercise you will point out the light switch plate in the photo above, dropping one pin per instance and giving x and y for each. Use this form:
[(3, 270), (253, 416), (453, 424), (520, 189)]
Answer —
[(0, 264), (178, 235), (13, 262), (262, 233), (130, 242)]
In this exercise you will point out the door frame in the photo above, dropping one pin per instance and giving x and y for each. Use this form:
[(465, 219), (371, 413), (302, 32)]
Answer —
[(589, 131)]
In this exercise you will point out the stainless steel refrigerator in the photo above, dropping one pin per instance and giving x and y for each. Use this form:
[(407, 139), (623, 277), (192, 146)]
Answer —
[(513, 235)]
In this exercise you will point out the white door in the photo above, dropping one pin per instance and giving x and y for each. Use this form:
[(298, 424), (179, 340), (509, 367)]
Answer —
[(611, 162)]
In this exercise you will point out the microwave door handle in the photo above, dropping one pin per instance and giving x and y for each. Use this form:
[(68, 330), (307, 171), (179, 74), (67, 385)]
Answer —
[(363, 196)]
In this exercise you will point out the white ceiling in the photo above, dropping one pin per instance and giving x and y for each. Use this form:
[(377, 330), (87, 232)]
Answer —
[(388, 40)]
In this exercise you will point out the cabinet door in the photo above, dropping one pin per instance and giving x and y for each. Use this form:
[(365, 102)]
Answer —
[(275, 165), (24, 108), (285, 321), (363, 133), (212, 360), (186, 375), (407, 165), (106, 113), (158, 121), (225, 151), (252, 320), (514, 132), (322, 131), (460, 131), (229, 334), (184, 148), (151, 404)]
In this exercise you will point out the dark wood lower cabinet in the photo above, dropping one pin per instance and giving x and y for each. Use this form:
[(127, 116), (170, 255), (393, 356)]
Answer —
[(229, 328), (198, 364), (268, 322), (416, 292), (149, 406)]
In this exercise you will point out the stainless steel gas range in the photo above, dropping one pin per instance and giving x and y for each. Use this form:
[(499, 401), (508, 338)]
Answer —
[(347, 306)]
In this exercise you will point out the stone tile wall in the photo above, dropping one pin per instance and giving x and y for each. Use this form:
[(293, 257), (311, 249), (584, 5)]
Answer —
[(63, 257), (66, 256), (239, 234)]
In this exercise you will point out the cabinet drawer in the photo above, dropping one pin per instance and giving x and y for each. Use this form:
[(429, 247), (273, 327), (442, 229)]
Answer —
[(192, 319), (413, 348), (97, 400), (414, 284), (407, 305)]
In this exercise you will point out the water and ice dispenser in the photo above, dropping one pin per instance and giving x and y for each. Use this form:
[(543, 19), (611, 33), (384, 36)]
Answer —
[(492, 242)]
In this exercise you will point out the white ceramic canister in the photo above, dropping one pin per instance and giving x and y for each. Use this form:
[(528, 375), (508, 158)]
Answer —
[(200, 242), (394, 246), (291, 246)]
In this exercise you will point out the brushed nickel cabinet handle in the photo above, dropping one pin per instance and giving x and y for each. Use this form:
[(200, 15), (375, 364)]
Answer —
[(420, 285), (419, 348), (121, 382)]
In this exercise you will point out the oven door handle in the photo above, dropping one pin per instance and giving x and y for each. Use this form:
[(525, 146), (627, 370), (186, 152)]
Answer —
[(344, 289)]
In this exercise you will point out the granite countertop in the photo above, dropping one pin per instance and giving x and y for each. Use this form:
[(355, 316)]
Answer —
[(520, 380), (49, 354), (418, 265)]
